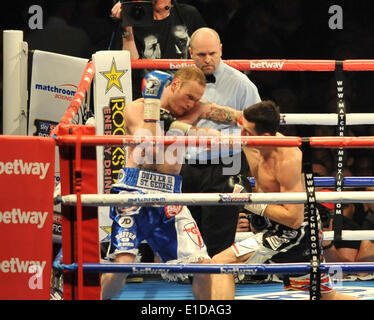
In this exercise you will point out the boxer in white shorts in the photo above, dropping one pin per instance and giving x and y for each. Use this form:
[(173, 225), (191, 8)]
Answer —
[(275, 169)]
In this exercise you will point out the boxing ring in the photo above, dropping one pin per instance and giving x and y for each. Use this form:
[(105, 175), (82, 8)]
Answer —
[(81, 264)]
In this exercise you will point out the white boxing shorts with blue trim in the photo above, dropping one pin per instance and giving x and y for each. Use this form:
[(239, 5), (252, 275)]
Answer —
[(169, 230)]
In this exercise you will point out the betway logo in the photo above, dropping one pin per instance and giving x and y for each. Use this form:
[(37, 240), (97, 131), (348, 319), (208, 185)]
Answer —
[(26, 168), (20, 266), (17, 216), (266, 65), (180, 65)]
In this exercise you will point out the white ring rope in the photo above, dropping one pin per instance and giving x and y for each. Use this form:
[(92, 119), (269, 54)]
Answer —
[(231, 199), (351, 235), (215, 198), (328, 119)]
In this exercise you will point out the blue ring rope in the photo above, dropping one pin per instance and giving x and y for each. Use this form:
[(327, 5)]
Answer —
[(251, 269), (330, 181)]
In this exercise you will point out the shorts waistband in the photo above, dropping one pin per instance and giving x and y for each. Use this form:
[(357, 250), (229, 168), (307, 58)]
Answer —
[(150, 180)]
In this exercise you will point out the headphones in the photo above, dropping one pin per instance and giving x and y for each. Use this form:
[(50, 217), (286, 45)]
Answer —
[(172, 4)]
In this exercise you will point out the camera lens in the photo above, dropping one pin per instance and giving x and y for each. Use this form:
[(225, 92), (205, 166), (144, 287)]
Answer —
[(137, 12), (259, 223), (324, 214)]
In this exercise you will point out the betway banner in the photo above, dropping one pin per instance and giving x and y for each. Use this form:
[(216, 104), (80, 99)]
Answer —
[(112, 91), (26, 211), (55, 79)]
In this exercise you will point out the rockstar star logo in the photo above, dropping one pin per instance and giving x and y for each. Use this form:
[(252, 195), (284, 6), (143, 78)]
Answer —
[(113, 76), (108, 231)]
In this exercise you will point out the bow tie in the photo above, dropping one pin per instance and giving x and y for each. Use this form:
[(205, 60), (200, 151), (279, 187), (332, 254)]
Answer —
[(210, 78)]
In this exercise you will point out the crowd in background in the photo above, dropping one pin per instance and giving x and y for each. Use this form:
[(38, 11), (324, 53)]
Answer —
[(249, 29), (281, 29)]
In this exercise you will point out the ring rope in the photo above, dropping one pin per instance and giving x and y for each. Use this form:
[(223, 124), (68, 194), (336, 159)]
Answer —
[(213, 199), (330, 181), (261, 64), (347, 235), (80, 95), (251, 269), (328, 119), (348, 181), (212, 141)]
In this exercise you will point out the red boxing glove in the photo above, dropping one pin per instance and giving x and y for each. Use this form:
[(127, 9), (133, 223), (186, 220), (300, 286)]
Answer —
[(240, 121)]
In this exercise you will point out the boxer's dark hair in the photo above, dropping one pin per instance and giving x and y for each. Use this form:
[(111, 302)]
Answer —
[(265, 115)]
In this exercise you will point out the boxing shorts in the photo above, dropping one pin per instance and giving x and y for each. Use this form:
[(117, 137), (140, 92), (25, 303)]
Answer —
[(169, 230), (280, 244)]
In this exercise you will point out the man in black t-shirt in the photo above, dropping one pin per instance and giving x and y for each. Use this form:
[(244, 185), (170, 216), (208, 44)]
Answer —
[(166, 37), (169, 37)]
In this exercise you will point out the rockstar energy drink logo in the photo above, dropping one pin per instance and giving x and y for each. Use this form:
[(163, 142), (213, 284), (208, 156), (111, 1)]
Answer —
[(114, 156), (113, 77)]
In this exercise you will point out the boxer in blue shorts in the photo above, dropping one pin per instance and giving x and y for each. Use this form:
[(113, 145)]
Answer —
[(170, 230), (174, 105)]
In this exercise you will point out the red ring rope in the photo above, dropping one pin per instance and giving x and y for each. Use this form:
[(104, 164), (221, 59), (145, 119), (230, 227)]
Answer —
[(261, 65), (76, 103), (317, 142), (242, 65)]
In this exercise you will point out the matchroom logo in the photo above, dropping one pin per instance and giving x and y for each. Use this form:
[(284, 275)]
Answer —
[(62, 91)]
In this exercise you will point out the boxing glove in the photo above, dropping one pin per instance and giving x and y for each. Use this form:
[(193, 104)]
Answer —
[(167, 118), (171, 123), (153, 86), (241, 184), (240, 121)]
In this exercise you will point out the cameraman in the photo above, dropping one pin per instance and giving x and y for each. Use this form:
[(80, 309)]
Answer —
[(349, 251), (344, 250), (167, 36), (169, 18), (249, 222)]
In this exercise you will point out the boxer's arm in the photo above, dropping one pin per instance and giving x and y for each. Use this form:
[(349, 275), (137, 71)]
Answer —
[(290, 179), (153, 86), (172, 126), (215, 112), (133, 115)]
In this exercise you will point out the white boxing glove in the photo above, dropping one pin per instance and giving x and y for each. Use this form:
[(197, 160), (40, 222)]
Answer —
[(256, 208)]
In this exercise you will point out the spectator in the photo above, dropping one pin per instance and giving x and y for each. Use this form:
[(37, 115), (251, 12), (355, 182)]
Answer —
[(348, 250), (98, 28), (366, 252), (339, 251), (319, 169), (325, 156), (363, 164), (58, 34), (167, 37)]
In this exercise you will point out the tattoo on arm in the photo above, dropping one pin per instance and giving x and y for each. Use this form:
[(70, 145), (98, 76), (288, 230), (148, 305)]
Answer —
[(218, 113)]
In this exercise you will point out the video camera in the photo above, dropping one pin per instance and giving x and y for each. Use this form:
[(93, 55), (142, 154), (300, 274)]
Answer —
[(325, 214), (137, 13), (259, 223)]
